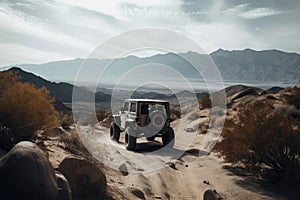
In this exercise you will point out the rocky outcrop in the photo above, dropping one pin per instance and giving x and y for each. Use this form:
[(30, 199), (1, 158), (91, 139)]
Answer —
[(87, 181), (26, 173)]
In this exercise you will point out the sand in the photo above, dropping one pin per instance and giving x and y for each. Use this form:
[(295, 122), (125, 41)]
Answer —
[(184, 172)]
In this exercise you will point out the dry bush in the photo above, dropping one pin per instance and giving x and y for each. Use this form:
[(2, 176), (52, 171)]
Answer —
[(205, 102), (25, 109), (175, 113), (264, 141), (101, 115), (7, 79), (66, 120), (73, 143), (294, 98)]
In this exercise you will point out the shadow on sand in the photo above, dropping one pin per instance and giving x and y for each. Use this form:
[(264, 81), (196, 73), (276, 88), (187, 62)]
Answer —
[(275, 190), (156, 147)]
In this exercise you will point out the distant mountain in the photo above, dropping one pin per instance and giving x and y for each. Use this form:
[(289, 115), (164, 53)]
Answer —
[(261, 66), (237, 65), (61, 91)]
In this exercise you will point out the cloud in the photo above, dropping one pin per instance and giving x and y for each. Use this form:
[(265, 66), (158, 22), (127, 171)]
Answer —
[(32, 31), (259, 13), (244, 11), (12, 53), (221, 35), (15, 29), (35, 30)]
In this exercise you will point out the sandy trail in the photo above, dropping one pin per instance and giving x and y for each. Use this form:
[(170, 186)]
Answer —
[(148, 173)]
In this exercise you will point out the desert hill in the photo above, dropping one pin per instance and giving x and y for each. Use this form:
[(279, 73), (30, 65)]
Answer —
[(61, 91)]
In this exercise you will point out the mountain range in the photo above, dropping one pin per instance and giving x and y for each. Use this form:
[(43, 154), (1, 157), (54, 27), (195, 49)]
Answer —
[(245, 66)]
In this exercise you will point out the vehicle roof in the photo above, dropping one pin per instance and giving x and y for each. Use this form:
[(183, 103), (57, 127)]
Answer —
[(147, 100)]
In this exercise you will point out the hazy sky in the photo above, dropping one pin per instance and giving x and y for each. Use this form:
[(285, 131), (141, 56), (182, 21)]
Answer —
[(38, 31)]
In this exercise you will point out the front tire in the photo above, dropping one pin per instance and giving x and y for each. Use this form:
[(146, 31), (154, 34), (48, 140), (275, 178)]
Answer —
[(168, 138), (114, 131), (130, 141)]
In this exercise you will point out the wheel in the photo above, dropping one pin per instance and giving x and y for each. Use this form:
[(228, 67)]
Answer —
[(168, 138), (130, 141), (158, 120), (152, 138), (114, 131)]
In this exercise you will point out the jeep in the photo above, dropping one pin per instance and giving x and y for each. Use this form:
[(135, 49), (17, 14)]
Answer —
[(143, 118)]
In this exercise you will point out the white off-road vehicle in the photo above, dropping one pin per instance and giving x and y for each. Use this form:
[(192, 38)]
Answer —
[(143, 118)]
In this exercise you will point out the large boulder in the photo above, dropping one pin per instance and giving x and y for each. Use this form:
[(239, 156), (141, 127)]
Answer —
[(26, 173), (2, 153), (87, 181), (64, 189)]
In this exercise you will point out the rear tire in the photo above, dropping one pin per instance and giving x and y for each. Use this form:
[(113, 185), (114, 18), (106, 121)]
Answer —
[(168, 138), (114, 131), (130, 141)]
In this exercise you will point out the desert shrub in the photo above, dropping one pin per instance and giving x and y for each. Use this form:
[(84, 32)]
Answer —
[(294, 98), (66, 120), (73, 143), (175, 113), (101, 115), (264, 141), (205, 102), (7, 79), (25, 109)]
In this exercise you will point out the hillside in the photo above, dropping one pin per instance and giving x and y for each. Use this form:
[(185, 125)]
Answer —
[(262, 66), (61, 91), (237, 65)]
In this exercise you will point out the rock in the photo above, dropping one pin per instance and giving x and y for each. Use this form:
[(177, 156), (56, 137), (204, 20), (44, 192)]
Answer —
[(87, 181), (57, 131), (6, 142), (206, 182), (26, 173), (123, 169), (2, 152), (138, 193), (246, 92), (107, 121), (64, 189), (172, 165), (189, 129), (274, 90), (211, 195)]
